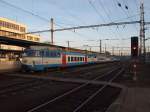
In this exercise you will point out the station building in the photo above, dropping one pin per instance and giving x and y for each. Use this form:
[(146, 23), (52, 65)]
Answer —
[(13, 29)]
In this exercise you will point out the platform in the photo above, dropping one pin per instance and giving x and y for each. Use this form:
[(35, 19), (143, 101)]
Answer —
[(136, 98)]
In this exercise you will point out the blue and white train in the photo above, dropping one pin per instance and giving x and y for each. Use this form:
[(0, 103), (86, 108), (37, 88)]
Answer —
[(38, 58)]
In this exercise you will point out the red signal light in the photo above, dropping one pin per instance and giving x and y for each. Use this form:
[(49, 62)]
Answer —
[(134, 48)]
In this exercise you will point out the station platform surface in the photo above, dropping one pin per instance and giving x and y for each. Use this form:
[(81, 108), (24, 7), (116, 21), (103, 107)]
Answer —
[(136, 97)]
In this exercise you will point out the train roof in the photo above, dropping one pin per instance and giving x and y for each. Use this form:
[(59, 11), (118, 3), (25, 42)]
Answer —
[(62, 48)]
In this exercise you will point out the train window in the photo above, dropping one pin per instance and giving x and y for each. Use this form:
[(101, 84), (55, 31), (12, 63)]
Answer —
[(58, 54), (80, 58), (46, 53), (75, 58), (72, 59), (53, 54), (83, 58), (41, 53), (69, 59), (37, 53)]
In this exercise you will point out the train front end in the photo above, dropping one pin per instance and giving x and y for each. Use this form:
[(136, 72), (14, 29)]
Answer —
[(32, 60)]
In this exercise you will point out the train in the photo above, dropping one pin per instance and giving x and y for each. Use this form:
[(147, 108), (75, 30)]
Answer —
[(40, 58)]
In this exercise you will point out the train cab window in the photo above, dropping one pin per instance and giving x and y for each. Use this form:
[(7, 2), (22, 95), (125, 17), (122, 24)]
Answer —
[(69, 59), (46, 54), (58, 54), (52, 54), (37, 54), (42, 53)]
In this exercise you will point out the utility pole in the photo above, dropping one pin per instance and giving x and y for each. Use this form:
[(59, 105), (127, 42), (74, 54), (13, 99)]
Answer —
[(105, 48), (100, 46), (90, 48), (142, 50), (68, 43), (52, 30), (113, 50)]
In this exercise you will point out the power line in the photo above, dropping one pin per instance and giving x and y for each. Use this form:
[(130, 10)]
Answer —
[(23, 10), (89, 26), (31, 13), (79, 34), (96, 11), (101, 4), (127, 14), (70, 14), (127, 17)]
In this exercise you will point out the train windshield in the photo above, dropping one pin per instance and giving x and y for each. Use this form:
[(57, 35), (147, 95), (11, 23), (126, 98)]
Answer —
[(41, 53), (32, 53)]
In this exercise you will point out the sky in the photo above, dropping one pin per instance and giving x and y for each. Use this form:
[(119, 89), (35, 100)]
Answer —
[(36, 14)]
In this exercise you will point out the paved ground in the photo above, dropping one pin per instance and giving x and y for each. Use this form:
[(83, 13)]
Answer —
[(136, 98)]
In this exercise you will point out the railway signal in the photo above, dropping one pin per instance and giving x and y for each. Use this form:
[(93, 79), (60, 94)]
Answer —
[(134, 47)]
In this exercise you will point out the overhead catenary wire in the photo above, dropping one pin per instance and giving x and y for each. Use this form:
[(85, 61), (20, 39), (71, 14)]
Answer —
[(126, 13), (67, 12), (73, 31), (83, 27), (28, 12), (88, 26), (97, 12), (24, 10), (70, 14), (107, 14), (136, 3)]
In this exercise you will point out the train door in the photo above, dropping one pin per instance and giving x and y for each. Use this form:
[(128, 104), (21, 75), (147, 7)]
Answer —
[(64, 59)]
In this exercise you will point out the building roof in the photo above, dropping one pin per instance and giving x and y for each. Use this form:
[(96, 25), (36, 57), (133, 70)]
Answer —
[(12, 21)]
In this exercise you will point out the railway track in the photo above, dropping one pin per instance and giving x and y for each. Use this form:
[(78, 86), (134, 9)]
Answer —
[(18, 87), (25, 86), (15, 86), (80, 98), (83, 73)]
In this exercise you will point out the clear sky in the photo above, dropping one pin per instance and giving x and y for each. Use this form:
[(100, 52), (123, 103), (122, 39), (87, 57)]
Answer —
[(67, 13)]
